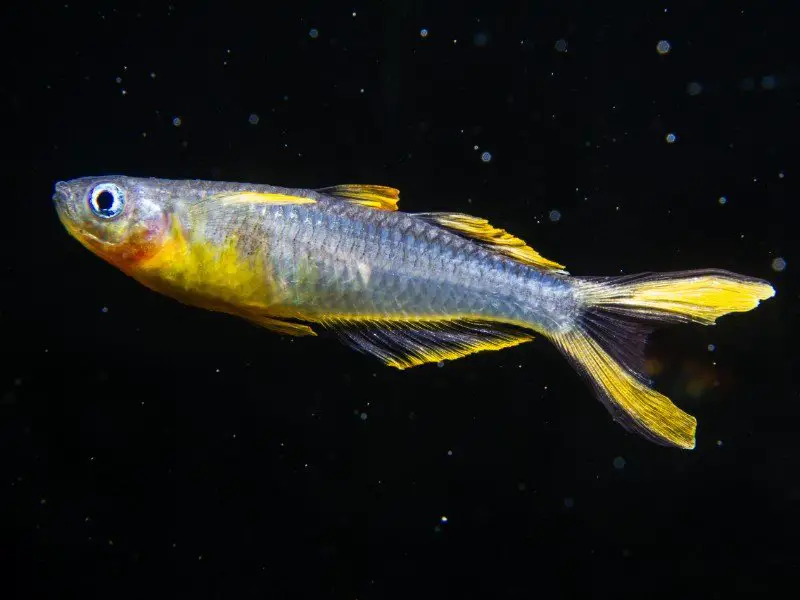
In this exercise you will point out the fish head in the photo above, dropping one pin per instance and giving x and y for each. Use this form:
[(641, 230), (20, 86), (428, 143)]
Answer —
[(121, 219)]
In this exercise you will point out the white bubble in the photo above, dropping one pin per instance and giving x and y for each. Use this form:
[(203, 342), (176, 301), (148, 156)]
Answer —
[(152, 75), (711, 347), (253, 119), (671, 138), (561, 45), (722, 200), (486, 157), (619, 463), (177, 121), (363, 416), (313, 33), (663, 47), (555, 216), (423, 33), (104, 309), (443, 519), (778, 264), (694, 88)]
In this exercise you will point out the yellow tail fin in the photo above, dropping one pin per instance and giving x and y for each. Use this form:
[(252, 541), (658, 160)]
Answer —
[(606, 345)]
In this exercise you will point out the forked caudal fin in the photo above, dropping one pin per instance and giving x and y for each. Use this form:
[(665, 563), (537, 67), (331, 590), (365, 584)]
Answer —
[(607, 344)]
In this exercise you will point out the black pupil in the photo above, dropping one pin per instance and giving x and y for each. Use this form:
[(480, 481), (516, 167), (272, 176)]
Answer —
[(105, 200)]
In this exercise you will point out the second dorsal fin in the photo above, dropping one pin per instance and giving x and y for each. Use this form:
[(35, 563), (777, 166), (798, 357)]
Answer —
[(495, 238), (373, 196)]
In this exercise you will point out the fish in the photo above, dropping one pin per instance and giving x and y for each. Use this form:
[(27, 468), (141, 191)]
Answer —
[(406, 288)]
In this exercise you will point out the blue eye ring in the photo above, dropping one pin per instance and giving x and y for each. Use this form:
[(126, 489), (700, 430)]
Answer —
[(106, 200)]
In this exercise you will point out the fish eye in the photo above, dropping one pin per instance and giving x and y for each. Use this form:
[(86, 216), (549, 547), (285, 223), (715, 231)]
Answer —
[(106, 200)]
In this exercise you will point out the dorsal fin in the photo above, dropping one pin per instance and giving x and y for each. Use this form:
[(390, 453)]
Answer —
[(373, 196), (260, 198), (495, 238)]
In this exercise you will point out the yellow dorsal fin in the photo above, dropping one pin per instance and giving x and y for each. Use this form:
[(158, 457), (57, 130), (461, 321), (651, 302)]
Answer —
[(373, 196), (498, 239), (261, 198)]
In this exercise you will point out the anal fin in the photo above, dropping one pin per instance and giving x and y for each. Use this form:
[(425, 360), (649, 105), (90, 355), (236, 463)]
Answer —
[(404, 344)]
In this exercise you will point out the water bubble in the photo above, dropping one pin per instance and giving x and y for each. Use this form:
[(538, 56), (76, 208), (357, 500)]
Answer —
[(619, 463), (711, 347), (253, 119), (363, 416), (671, 138), (663, 47), (694, 88), (486, 157), (423, 33), (778, 264), (555, 216), (313, 33), (561, 45), (177, 121), (104, 309), (722, 200), (443, 519)]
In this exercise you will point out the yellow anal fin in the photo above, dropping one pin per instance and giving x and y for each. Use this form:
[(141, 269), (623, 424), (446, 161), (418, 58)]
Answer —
[(495, 238), (409, 343), (279, 325), (633, 404), (373, 196), (260, 198)]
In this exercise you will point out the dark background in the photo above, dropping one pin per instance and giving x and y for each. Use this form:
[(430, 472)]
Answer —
[(154, 448)]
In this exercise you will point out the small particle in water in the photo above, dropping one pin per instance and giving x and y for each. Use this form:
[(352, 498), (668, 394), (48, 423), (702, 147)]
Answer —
[(722, 200), (719, 443), (314, 33), (663, 47), (119, 80), (363, 416), (104, 309), (569, 502), (449, 453), (440, 364), (423, 33), (671, 138), (555, 216), (443, 519), (152, 74), (486, 157), (619, 463), (253, 119), (480, 39), (778, 264), (694, 88), (177, 121), (781, 175), (561, 45), (711, 347), (768, 82)]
